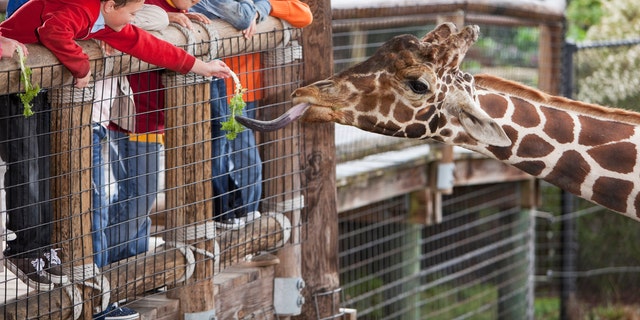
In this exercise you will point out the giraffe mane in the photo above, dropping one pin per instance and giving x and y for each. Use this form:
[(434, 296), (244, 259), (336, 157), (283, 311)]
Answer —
[(528, 93)]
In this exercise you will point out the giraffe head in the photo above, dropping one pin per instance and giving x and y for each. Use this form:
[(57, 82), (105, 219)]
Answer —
[(409, 88)]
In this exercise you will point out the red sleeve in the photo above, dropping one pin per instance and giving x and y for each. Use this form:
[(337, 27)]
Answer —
[(145, 46), (57, 34)]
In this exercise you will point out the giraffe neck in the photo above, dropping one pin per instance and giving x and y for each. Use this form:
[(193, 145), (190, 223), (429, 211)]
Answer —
[(588, 150)]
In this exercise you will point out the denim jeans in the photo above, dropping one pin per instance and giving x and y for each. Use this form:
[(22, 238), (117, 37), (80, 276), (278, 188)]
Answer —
[(100, 200), (237, 167), (25, 147), (135, 167)]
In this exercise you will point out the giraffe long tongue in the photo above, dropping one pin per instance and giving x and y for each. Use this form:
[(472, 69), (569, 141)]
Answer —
[(280, 122)]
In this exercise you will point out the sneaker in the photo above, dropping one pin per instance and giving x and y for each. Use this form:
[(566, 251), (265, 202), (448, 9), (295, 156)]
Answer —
[(30, 271), (9, 235), (251, 216), (53, 267), (231, 224), (114, 312)]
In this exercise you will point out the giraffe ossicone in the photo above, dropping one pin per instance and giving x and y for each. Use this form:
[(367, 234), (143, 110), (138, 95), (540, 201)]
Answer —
[(414, 88)]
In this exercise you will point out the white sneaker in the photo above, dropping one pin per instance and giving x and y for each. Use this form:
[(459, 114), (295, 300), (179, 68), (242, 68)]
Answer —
[(251, 216), (231, 224)]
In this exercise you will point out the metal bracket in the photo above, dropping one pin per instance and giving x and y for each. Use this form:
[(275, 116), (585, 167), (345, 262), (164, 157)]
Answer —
[(445, 176), (287, 296)]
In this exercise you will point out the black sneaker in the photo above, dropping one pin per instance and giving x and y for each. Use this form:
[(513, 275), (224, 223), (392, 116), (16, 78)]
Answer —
[(53, 267), (30, 271), (114, 312)]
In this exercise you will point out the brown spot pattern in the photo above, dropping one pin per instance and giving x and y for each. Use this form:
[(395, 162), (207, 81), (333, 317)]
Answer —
[(533, 146), (596, 132), (524, 113), (402, 113), (415, 130), (618, 157), (570, 172), (463, 138), (612, 193), (559, 125), (531, 167), (494, 105)]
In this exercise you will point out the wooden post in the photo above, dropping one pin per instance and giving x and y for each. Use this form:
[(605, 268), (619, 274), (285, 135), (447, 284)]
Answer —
[(188, 186), (550, 66), (282, 175), (320, 250), (71, 181)]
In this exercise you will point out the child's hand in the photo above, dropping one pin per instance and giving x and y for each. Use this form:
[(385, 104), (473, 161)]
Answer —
[(251, 30), (215, 68), (181, 19), (219, 69), (9, 47), (198, 17), (84, 81)]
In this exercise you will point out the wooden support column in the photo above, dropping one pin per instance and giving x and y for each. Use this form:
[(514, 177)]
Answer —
[(282, 191), (71, 181), (188, 186), (320, 249)]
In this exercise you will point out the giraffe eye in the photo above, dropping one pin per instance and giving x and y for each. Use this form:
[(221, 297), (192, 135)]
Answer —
[(418, 86)]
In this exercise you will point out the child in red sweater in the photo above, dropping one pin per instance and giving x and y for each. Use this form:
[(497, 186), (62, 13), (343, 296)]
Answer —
[(56, 24)]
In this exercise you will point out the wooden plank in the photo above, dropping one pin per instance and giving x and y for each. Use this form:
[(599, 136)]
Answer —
[(383, 176), (242, 291)]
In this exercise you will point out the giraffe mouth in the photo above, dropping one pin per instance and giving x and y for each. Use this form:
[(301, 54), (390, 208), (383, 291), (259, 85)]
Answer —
[(293, 114)]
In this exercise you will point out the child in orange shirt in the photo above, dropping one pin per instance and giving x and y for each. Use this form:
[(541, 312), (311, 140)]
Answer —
[(237, 168)]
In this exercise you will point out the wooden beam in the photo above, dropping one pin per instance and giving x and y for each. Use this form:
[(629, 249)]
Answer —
[(320, 250)]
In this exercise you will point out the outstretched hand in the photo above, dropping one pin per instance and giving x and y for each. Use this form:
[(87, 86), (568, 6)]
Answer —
[(9, 47), (215, 68)]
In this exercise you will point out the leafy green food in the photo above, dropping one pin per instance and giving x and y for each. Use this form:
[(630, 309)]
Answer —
[(31, 91), (236, 106)]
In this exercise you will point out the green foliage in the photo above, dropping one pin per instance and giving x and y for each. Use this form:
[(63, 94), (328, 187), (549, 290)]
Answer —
[(31, 91), (547, 308), (448, 302), (581, 15), (232, 126), (609, 76), (236, 106)]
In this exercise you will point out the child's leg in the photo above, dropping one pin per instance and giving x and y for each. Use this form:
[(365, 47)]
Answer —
[(247, 166), (100, 197), (222, 189), (136, 166)]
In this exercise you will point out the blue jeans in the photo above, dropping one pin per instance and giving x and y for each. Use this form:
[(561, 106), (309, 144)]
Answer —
[(100, 199), (135, 166), (237, 167)]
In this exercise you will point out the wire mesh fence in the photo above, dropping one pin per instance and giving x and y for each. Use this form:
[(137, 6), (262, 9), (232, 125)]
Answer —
[(132, 184)]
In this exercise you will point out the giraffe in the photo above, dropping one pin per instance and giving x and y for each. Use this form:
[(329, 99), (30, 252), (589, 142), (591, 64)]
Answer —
[(414, 88)]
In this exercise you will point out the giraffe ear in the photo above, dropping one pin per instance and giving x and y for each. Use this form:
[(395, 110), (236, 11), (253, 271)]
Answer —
[(475, 121)]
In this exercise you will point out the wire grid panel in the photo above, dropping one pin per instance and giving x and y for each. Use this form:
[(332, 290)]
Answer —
[(157, 200), (476, 264)]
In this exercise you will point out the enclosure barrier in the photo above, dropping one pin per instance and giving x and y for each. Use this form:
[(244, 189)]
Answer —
[(185, 262)]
